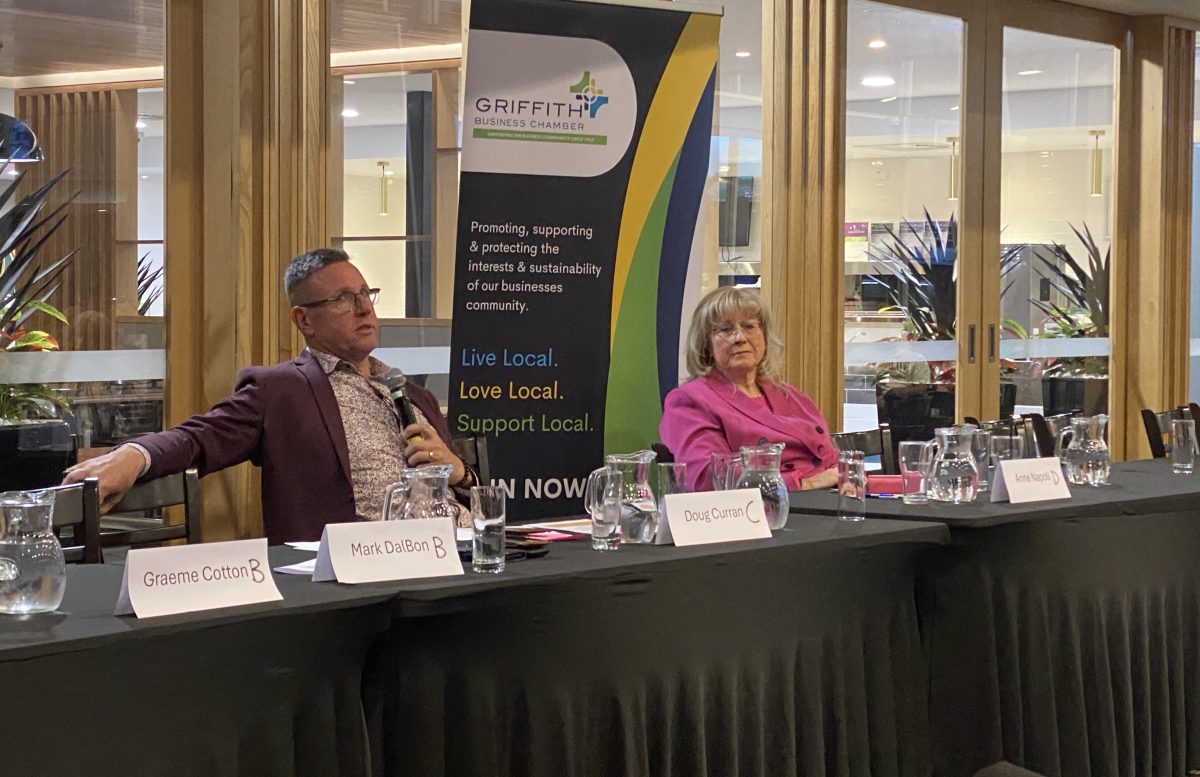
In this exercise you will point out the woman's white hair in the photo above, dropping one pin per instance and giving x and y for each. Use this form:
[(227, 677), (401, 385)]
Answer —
[(722, 305)]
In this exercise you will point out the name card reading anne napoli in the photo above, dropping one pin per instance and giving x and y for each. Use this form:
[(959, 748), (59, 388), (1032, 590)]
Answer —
[(377, 551), (716, 516), (1030, 480), (190, 578)]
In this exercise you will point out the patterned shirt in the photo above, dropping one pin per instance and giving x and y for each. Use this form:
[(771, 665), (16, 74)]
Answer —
[(372, 426)]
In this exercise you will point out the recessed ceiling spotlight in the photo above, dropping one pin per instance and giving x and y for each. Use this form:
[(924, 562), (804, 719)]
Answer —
[(140, 124), (877, 43), (349, 113), (742, 54), (954, 107), (348, 82), (891, 99), (1030, 72), (145, 177), (878, 81)]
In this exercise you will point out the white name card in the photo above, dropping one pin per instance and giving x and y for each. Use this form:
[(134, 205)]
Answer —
[(716, 516), (1029, 480), (190, 578), (377, 551)]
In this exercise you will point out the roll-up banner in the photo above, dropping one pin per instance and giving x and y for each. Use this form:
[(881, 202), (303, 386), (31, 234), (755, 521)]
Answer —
[(586, 130)]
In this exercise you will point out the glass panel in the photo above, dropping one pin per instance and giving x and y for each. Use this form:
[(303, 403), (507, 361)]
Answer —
[(904, 82), (1056, 216), (103, 370), (1194, 307)]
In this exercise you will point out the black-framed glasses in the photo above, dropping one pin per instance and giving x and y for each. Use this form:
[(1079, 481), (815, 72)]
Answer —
[(344, 301)]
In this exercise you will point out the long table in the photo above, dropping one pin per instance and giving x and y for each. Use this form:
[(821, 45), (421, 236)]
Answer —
[(794, 655), (1063, 636)]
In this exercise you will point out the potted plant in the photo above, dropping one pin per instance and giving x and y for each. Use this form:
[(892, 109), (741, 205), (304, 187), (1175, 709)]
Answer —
[(1076, 383), (921, 281), (35, 444)]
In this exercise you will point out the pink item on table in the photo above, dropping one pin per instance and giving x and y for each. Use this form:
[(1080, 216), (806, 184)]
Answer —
[(891, 484), (554, 536)]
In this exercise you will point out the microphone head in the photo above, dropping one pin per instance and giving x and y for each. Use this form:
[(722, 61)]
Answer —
[(394, 379)]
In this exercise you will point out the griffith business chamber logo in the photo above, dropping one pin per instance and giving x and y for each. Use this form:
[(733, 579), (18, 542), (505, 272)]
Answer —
[(545, 105), (543, 121)]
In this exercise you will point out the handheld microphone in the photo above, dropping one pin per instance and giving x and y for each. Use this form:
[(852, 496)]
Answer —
[(396, 381)]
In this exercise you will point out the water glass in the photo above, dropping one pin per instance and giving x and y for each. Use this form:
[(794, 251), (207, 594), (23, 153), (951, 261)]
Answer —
[(1183, 446), (606, 510), (981, 447), (852, 486), (487, 520), (670, 478), (726, 469), (1005, 447), (915, 460)]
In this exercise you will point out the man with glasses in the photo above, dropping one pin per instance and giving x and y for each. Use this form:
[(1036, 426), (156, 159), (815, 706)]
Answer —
[(323, 427)]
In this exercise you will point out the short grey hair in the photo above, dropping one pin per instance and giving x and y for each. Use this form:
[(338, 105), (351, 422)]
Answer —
[(718, 307), (307, 263)]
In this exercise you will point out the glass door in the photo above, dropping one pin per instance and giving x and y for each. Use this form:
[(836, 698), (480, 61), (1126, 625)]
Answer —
[(903, 185), (1057, 197)]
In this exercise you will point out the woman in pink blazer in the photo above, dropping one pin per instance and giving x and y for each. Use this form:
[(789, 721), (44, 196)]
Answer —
[(735, 397)]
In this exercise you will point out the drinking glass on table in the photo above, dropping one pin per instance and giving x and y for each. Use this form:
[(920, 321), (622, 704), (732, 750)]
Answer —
[(726, 469), (670, 478), (1006, 447), (604, 499), (487, 523), (915, 460), (981, 448), (1183, 446), (852, 486)]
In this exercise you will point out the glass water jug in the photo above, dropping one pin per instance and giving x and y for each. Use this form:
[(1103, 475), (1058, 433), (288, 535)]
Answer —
[(639, 510), (760, 469), (33, 575), (424, 493), (1085, 459), (953, 476)]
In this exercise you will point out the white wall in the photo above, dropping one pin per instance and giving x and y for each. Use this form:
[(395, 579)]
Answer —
[(382, 263), (8, 101)]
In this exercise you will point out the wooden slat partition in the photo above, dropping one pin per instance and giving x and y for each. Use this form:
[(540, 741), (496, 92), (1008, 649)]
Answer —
[(91, 132)]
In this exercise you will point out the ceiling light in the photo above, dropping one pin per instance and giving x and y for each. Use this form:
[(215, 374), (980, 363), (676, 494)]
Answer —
[(742, 54), (1096, 177), (877, 43), (878, 81), (891, 99), (383, 182), (349, 113), (348, 82), (140, 124), (954, 108), (1030, 72), (145, 177), (389, 172)]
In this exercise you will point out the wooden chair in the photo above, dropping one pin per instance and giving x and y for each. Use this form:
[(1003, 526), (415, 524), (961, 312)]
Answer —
[(1159, 424), (1011, 427), (473, 451), (123, 527), (872, 442), (78, 506)]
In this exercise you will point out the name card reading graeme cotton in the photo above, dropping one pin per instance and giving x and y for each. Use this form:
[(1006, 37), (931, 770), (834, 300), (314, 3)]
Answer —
[(190, 578), (378, 551), (716, 516)]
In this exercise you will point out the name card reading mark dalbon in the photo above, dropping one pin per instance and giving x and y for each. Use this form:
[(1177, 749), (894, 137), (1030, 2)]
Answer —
[(190, 578), (1030, 480), (377, 551), (716, 516)]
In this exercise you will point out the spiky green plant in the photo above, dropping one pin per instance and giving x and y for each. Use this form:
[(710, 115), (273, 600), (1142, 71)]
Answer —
[(26, 283), (1086, 290), (149, 284)]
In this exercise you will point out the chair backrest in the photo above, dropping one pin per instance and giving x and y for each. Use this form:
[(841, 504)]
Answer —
[(1159, 424), (78, 506), (473, 451), (662, 454), (872, 442), (167, 491)]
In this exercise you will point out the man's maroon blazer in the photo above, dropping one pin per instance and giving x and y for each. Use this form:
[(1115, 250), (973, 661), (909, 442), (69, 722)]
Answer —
[(286, 420)]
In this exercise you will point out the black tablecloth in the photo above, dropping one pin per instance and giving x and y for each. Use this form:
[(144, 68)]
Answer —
[(794, 655), (1064, 636), (262, 690)]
